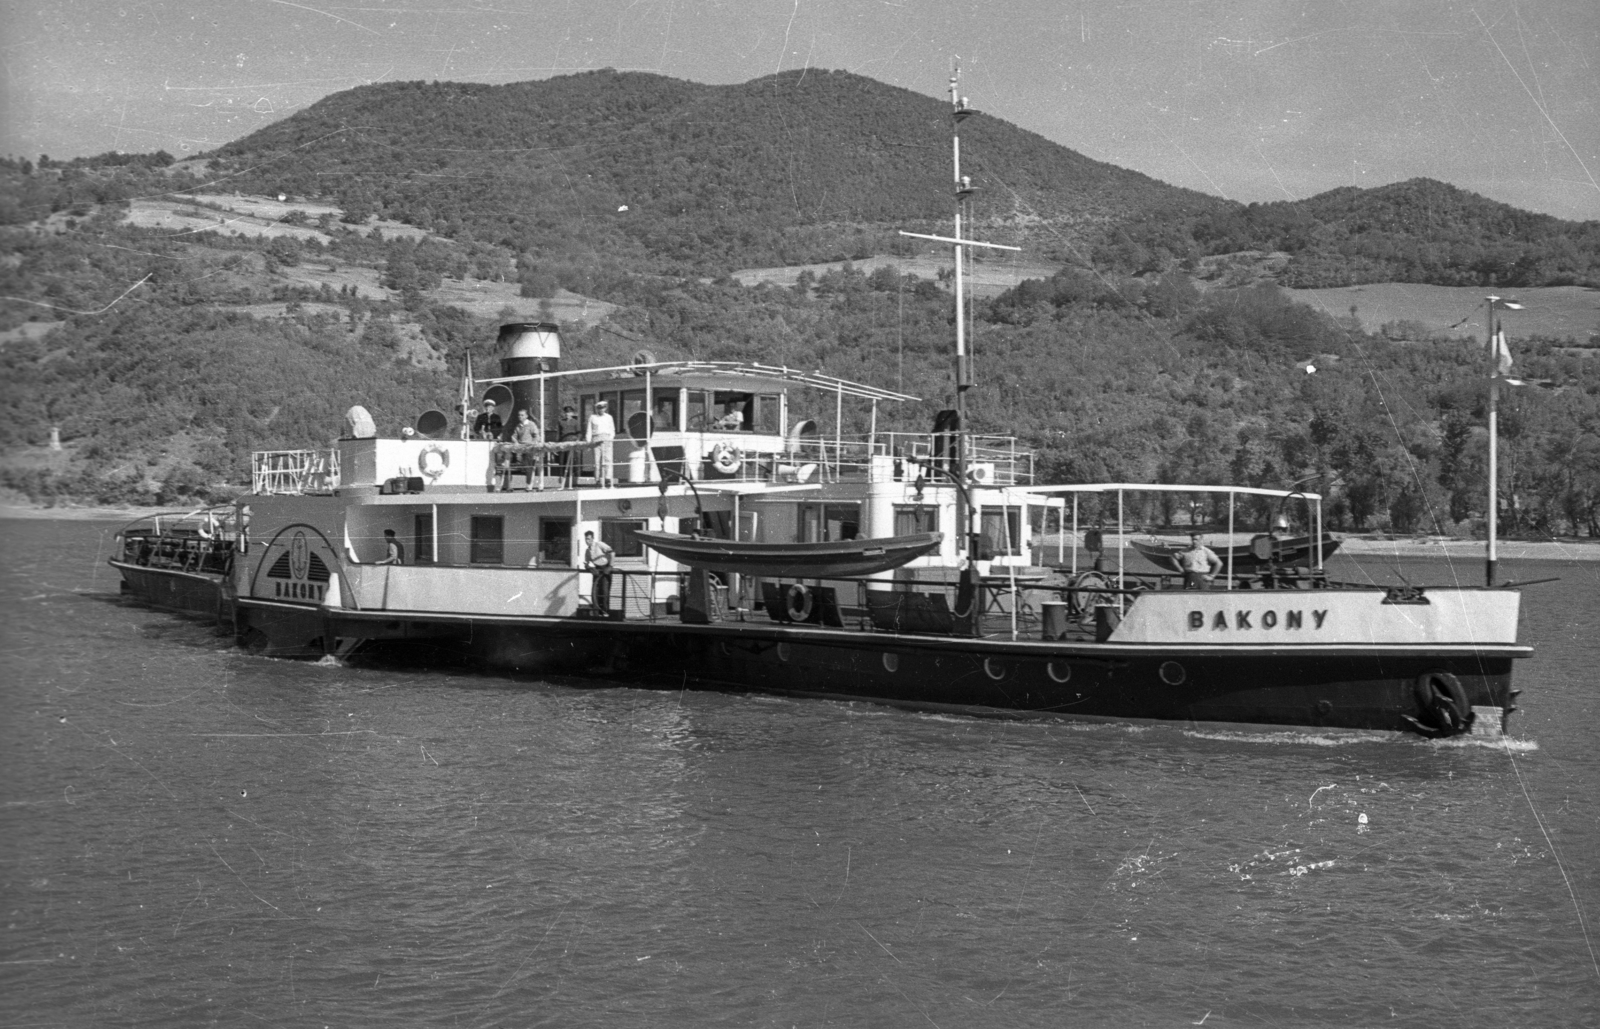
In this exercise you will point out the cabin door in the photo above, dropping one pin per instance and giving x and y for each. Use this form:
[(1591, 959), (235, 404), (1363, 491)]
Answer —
[(555, 541)]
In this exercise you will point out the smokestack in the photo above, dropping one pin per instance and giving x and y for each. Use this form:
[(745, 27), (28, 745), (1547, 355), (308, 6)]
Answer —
[(530, 348)]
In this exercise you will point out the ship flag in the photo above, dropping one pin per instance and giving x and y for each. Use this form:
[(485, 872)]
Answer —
[(1502, 357)]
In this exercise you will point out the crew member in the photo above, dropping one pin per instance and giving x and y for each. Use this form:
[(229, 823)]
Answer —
[(1199, 564), (603, 434), (488, 424), (597, 555), (396, 554), (732, 416)]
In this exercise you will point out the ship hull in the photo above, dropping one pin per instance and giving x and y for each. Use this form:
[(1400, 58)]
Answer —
[(1337, 686)]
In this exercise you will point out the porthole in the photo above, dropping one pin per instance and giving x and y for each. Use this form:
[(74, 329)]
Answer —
[(994, 669), (1059, 671), (783, 652), (891, 662), (1172, 673)]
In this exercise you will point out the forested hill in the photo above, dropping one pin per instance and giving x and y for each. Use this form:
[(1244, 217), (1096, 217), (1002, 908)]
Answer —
[(592, 177), (168, 318), (642, 168)]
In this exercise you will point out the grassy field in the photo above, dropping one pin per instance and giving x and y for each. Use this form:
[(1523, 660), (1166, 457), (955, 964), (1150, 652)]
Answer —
[(1562, 312), (988, 278)]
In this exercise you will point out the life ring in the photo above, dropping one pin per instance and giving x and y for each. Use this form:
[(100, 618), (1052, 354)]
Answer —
[(432, 460), (1443, 702), (798, 602), (726, 459)]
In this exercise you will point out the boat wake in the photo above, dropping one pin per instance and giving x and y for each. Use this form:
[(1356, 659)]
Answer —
[(1342, 738), (1506, 743)]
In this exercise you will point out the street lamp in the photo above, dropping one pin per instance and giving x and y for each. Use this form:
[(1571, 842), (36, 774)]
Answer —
[(1499, 365)]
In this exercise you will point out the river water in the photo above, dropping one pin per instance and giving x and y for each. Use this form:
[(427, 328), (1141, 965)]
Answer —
[(193, 835)]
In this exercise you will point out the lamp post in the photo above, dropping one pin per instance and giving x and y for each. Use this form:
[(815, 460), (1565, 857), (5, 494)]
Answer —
[(1496, 373)]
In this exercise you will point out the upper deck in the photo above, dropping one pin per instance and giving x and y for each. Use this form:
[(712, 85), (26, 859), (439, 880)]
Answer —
[(705, 421)]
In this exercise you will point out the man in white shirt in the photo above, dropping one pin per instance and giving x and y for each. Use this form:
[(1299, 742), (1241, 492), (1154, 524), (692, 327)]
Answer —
[(603, 433), (597, 555)]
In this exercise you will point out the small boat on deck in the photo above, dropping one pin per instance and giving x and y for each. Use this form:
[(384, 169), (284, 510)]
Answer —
[(1265, 551), (828, 559)]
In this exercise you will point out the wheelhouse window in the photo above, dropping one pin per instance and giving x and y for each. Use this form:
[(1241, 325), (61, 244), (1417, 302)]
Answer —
[(912, 518), (697, 407), (488, 539), (619, 533), (769, 414), (732, 411), (664, 417), (999, 532)]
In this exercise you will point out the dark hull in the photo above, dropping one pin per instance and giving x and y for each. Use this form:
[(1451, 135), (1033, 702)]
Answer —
[(1334, 687), (191, 593)]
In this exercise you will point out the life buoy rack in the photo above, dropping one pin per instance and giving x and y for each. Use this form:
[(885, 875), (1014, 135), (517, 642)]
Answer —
[(1443, 702), (726, 459), (432, 460), (798, 603)]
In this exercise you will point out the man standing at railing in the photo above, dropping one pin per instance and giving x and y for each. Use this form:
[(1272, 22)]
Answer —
[(395, 550), (597, 555), (603, 434)]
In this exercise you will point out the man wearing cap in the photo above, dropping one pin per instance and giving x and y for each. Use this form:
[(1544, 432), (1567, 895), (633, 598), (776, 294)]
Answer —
[(603, 434), (1199, 564), (488, 424)]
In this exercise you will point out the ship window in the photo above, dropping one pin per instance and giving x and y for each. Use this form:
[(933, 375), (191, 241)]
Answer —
[(731, 411), (910, 518), (1000, 532), (555, 541), (422, 538), (488, 539), (632, 404), (619, 534), (665, 416), (827, 522), (769, 414), (697, 411)]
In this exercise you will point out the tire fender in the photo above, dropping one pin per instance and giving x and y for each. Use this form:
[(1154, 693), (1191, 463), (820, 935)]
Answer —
[(1443, 701)]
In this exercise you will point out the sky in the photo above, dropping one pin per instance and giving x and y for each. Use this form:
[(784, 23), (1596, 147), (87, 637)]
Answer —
[(1253, 100)]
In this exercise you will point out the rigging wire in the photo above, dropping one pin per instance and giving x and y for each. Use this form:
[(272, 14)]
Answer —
[(1561, 867)]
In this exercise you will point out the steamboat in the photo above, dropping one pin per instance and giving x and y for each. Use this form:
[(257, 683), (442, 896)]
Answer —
[(754, 544)]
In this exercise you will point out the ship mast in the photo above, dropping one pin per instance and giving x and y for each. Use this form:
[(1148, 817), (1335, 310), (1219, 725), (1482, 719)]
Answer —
[(960, 112)]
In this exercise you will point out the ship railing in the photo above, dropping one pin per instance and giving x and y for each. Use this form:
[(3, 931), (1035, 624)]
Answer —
[(294, 471), (991, 460)]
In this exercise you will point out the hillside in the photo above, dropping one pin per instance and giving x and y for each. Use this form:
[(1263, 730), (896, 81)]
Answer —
[(678, 175), (168, 320)]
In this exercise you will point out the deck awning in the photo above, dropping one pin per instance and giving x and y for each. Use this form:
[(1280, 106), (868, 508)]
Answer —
[(1151, 487), (717, 374)]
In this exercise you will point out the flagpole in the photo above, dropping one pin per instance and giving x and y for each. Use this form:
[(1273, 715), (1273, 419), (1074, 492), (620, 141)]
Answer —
[(1499, 368), (1494, 493)]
